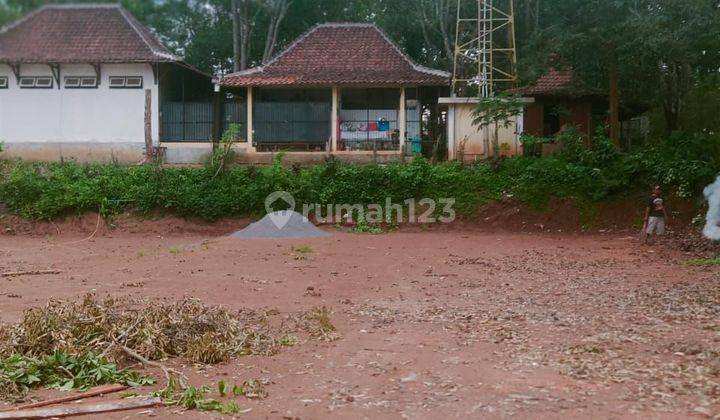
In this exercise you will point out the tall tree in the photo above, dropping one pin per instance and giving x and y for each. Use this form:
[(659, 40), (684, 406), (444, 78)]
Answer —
[(7, 14), (243, 17), (681, 38), (276, 10), (437, 20)]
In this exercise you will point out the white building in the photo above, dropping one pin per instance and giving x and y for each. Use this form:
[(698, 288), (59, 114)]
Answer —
[(84, 82)]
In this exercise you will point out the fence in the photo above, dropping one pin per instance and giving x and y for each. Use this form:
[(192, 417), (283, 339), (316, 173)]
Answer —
[(235, 113), (186, 121), (291, 122)]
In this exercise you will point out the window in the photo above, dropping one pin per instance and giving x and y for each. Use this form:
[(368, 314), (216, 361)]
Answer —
[(88, 82), (3, 82), (133, 82), (36, 82), (126, 82), (78, 82), (369, 119)]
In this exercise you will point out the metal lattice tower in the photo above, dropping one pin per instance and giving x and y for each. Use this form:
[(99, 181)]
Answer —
[(485, 59)]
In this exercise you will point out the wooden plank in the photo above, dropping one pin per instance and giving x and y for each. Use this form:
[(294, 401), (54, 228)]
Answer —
[(92, 392), (148, 125), (78, 409), (29, 273)]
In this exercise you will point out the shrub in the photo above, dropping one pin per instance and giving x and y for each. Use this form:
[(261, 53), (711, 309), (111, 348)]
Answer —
[(586, 172)]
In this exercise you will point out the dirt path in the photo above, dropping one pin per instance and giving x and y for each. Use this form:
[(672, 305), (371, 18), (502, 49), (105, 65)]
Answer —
[(433, 324)]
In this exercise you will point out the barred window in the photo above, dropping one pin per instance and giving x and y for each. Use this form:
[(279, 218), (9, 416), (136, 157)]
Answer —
[(36, 82), (78, 82), (126, 82)]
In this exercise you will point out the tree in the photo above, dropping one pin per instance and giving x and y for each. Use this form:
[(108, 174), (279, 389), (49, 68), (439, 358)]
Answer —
[(241, 28), (276, 10), (681, 38), (496, 111), (437, 21), (642, 53)]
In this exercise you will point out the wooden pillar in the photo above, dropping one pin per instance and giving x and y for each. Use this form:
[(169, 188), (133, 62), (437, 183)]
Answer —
[(451, 132), (402, 120), (250, 117), (334, 119), (217, 129), (148, 126)]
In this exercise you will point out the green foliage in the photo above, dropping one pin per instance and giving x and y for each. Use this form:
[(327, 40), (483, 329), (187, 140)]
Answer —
[(362, 226), (498, 109), (577, 148), (193, 398), (196, 398), (223, 154), (19, 374), (532, 145), (586, 171)]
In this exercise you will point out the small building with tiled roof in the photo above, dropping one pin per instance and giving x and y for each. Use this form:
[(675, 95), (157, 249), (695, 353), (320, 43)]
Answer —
[(90, 82), (340, 87), (560, 99)]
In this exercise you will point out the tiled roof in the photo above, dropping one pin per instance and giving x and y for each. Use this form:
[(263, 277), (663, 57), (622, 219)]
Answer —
[(553, 82), (344, 54), (87, 33)]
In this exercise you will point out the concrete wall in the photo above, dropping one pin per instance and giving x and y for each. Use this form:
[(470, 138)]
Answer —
[(98, 124), (196, 153), (314, 158), (465, 137)]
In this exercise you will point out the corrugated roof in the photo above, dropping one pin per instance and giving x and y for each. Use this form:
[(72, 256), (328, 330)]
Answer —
[(74, 33), (340, 54)]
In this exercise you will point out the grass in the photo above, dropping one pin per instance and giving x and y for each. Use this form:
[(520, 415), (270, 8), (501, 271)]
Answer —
[(303, 249), (703, 262), (317, 323), (51, 190)]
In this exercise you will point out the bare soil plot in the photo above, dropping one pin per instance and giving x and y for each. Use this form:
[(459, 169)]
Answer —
[(435, 324)]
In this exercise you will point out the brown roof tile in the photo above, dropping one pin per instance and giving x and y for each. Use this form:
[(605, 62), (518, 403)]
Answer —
[(340, 54), (553, 82), (73, 33)]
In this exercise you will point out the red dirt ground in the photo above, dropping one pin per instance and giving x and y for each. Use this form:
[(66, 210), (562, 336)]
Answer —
[(443, 323)]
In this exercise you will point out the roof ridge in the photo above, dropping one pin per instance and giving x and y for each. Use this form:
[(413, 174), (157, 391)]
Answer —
[(413, 64), (81, 6), (23, 19), (407, 58), (44, 7), (262, 67), (345, 24), (133, 22)]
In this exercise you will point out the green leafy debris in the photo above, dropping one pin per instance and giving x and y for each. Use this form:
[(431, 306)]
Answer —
[(19, 374)]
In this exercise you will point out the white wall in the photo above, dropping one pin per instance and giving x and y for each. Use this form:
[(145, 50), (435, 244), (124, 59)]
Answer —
[(462, 130), (73, 116)]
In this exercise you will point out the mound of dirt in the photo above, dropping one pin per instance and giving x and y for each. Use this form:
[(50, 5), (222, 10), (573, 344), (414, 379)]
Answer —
[(281, 224), (76, 226)]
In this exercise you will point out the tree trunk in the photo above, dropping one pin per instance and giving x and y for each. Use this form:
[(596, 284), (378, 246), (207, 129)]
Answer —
[(437, 20), (242, 29), (676, 83), (614, 102), (277, 10), (235, 13), (496, 142)]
